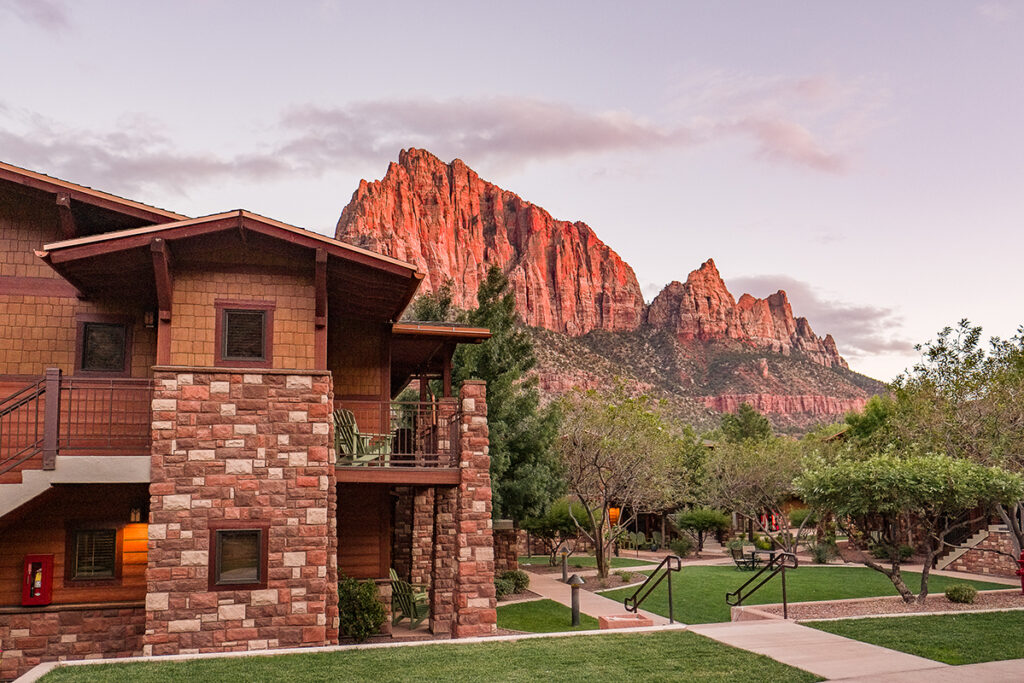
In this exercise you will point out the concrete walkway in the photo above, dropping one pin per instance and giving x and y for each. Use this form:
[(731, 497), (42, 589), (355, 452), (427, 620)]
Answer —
[(548, 586), (824, 654)]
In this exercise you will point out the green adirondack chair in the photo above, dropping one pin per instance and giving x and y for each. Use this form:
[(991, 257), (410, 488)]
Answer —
[(354, 448), (407, 602)]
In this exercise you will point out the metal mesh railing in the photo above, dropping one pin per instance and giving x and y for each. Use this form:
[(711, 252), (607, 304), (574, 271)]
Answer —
[(400, 434), (105, 415)]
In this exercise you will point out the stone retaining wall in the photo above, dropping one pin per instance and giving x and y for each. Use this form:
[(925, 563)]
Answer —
[(982, 560)]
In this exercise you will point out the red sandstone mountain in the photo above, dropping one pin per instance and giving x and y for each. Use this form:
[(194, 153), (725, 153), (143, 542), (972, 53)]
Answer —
[(450, 223), (710, 348)]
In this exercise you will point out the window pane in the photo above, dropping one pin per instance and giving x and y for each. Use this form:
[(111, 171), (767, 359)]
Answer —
[(243, 335), (103, 347), (95, 554), (238, 556)]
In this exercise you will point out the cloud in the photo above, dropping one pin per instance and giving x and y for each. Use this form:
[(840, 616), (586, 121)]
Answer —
[(48, 14), (781, 118), (996, 12), (859, 330)]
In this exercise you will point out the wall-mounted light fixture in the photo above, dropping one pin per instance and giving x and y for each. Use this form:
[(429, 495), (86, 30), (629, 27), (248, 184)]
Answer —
[(149, 319)]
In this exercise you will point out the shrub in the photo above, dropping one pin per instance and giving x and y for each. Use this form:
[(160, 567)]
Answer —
[(822, 552), (797, 517), (625, 575), (762, 542), (520, 580), (888, 552), (735, 544), (961, 592), (681, 546), (360, 612), (503, 587)]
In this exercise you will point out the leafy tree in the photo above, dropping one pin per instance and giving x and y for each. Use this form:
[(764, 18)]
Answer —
[(525, 474), (617, 451), (434, 306), (886, 498), (746, 424), (556, 528), (700, 522), (755, 480)]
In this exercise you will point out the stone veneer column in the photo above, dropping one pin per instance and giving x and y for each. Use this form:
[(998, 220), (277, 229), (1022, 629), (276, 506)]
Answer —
[(422, 537), (475, 603), (241, 447), (401, 545)]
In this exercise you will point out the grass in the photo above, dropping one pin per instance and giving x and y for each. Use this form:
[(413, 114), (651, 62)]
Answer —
[(585, 561), (541, 616), (699, 592), (662, 656), (950, 638)]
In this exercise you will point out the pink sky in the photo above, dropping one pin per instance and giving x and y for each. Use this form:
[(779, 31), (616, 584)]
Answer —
[(865, 157)]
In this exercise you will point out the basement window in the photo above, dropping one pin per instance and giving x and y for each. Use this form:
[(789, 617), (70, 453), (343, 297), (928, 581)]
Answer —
[(94, 554), (238, 558)]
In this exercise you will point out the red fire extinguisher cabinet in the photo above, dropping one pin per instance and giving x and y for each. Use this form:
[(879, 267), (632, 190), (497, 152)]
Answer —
[(37, 580)]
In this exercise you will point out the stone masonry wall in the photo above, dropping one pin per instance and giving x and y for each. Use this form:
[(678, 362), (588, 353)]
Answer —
[(505, 556), (30, 637), (246, 448), (981, 560), (401, 534), (475, 603)]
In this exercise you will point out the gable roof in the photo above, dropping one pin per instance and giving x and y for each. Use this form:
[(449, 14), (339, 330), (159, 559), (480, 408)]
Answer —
[(86, 195)]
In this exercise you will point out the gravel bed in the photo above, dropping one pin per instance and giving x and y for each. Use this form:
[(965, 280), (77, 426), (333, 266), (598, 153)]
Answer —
[(838, 609)]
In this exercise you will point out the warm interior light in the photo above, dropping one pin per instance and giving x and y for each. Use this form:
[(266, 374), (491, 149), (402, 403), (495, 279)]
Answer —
[(613, 515)]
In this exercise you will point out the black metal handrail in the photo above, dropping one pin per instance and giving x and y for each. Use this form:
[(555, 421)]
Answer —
[(778, 563), (671, 563)]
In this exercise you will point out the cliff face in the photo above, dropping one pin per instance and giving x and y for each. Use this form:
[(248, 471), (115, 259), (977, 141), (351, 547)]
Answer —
[(694, 344), (450, 223), (702, 309)]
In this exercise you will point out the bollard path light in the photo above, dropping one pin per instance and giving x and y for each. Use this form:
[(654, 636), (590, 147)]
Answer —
[(575, 581)]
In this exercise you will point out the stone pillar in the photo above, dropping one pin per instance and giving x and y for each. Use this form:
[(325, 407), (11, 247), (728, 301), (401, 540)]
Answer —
[(442, 597), (402, 534), (248, 449), (475, 603), (506, 557), (422, 538)]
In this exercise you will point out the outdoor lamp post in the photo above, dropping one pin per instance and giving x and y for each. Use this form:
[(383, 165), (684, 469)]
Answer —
[(575, 581)]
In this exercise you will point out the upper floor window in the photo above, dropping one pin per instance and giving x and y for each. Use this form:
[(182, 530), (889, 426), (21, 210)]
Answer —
[(244, 334), (104, 344)]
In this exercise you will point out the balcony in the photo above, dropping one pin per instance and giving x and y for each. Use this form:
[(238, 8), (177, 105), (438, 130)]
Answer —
[(397, 442), (72, 416)]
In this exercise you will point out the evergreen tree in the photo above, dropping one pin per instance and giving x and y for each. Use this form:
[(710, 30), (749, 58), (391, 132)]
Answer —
[(525, 471), (745, 425)]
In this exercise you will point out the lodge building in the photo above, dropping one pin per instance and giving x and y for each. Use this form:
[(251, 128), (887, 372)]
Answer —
[(171, 475)]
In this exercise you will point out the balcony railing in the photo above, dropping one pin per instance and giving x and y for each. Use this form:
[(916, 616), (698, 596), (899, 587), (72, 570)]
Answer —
[(396, 434), (73, 416)]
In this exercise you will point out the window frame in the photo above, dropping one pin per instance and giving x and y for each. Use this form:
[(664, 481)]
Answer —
[(83, 319), (237, 525), (70, 556), (222, 306)]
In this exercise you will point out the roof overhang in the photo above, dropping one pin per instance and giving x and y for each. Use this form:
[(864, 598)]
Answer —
[(420, 349), (359, 282)]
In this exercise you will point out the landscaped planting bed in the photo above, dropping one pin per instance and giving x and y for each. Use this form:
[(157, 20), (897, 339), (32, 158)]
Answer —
[(936, 602)]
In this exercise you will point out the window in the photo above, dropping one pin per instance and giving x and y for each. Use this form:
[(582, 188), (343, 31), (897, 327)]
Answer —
[(93, 554), (238, 558), (104, 344), (244, 334)]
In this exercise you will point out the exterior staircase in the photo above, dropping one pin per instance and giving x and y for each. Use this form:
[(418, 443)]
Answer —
[(972, 542), (101, 436)]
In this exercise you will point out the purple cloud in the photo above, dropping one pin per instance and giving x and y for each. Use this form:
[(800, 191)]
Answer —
[(48, 14)]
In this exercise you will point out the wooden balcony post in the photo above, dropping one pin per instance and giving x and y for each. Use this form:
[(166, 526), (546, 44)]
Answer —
[(51, 418)]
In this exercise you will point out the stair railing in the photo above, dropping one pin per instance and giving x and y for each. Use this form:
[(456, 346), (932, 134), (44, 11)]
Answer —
[(21, 425), (778, 563), (671, 563)]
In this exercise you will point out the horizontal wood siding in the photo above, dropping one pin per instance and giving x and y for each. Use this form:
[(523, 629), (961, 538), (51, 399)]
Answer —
[(40, 527), (364, 531)]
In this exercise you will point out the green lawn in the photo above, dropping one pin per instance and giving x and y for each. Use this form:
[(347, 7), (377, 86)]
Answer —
[(584, 561), (663, 656), (541, 616), (699, 592), (949, 638)]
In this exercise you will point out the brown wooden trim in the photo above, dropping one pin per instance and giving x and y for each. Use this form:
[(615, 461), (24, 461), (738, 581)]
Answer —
[(441, 330), (84, 194), (102, 524), (36, 286), (68, 229), (320, 323), (80, 320), (51, 419), (164, 287), (267, 307), (427, 476), (414, 284), (238, 525)]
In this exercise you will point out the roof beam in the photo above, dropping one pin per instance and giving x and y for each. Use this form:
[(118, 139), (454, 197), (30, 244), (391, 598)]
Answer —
[(68, 229), (164, 286)]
